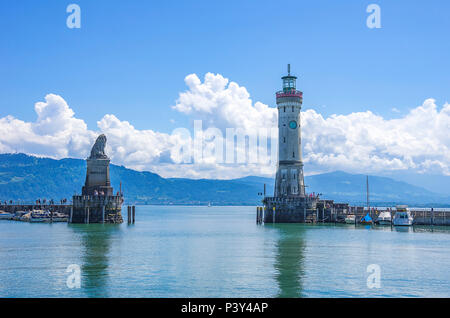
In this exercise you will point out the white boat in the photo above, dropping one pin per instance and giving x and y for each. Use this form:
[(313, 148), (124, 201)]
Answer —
[(18, 214), (59, 217), (350, 219), (403, 216), (384, 218), (38, 216), (6, 215), (25, 217)]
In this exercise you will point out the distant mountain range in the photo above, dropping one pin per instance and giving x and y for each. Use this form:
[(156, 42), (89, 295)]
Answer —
[(27, 178)]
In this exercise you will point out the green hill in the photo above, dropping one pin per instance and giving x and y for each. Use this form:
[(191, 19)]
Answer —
[(27, 178)]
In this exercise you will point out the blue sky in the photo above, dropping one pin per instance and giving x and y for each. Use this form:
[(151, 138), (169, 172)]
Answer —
[(130, 57), (132, 60)]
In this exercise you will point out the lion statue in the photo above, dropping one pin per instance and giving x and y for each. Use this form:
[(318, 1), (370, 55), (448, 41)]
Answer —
[(98, 150)]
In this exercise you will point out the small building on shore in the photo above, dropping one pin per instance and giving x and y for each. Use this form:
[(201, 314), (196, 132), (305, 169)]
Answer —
[(97, 202)]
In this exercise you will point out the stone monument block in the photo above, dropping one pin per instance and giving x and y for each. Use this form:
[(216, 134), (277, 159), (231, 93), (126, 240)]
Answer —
[(97, 177), (97, 203)]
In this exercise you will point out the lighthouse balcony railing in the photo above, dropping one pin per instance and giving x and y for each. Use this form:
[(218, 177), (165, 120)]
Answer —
[(289, 93)]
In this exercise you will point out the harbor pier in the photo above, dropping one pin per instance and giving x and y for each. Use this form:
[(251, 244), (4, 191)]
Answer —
[(13, 208), (283, 210)]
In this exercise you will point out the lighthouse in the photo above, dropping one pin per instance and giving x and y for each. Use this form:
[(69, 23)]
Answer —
[(290, 204), (289, 180)]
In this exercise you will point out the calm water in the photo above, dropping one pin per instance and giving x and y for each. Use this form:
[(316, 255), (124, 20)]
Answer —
[(220, 252)]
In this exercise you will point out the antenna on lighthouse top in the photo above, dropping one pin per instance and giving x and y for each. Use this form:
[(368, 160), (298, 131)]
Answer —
[(289, 69)]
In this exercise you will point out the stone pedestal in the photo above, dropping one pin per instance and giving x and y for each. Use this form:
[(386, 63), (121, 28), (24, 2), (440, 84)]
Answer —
[(97, 177), (289, 210), (96, 209)]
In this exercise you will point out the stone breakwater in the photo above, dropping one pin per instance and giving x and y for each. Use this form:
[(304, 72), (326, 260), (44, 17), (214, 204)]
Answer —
[(326, 211)]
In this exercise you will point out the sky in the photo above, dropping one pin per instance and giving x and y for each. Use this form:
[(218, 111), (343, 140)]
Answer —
[(375, 100)]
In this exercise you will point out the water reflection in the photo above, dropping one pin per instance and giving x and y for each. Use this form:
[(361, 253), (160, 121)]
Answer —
[(404, 229), (96, 242), (289, 263)]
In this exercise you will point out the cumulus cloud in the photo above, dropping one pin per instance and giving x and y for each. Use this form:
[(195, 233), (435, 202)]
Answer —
[(365, 142), (223, 104), (55, 133), (357, 142)]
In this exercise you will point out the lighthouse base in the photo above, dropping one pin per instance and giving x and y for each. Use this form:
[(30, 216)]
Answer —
[(290, 210)]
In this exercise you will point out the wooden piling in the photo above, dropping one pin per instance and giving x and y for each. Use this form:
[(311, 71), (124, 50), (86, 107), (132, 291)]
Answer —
[(128, 214), (432, 216), (133, 210), (273, 215), (259, 212), (392, 218), (264, 214), (261, 220), (259, 215)]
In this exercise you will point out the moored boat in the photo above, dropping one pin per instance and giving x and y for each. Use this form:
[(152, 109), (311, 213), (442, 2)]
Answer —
[(384, 218), (25, 217), (350, 219), (366, 219), (59, 217), (38, 216), (18, 214), (402, 216), (5, 215)]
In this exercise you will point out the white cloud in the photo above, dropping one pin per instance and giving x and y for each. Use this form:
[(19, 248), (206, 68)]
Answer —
[(55, 133), (223, 104), (365, 142), (357, 142)]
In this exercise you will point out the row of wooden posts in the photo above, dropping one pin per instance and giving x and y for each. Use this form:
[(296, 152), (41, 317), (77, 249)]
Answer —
[(131, 214), (259, 215)]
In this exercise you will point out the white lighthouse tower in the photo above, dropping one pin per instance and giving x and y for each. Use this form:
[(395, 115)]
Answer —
[(290, 204), (289, 180)]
